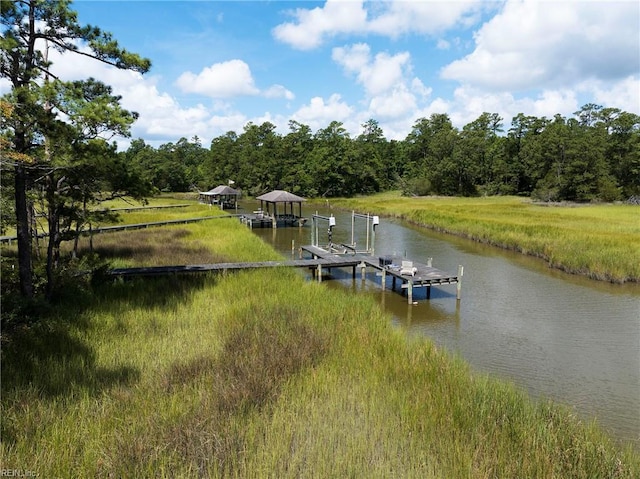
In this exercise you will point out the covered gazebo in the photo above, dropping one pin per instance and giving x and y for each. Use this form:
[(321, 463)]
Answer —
[(269, 206), (222, 195)]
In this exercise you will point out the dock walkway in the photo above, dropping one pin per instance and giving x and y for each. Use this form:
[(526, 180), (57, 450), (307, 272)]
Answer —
[(424, 276), (222, 267)]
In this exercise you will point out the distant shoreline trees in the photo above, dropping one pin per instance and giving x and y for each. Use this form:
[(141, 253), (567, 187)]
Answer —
[(593, 156)]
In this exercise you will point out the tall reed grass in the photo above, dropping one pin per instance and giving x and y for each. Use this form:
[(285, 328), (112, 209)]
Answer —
[(601, 241), (264, 374)]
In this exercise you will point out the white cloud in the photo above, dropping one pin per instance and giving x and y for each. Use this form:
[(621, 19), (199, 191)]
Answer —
[(377, 76), (390, 89), (318, 113), (161, 116), (420, 89), (532, 44), (311, 28), (398, 102), (443, 44), (278, 91), (430, 17), (220, 80), (624, 94)]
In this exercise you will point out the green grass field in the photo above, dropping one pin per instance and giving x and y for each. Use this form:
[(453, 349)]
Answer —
[(263, 374), (600, 241)]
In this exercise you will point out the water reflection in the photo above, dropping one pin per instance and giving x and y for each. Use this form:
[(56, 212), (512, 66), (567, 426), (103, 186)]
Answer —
[(559, 336)]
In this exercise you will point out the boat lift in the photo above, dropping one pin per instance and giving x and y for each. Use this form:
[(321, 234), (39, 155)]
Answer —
[(315, 233), (371, 223)]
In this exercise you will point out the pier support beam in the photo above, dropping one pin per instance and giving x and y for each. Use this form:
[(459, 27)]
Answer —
[(410, 292), (459, 285)]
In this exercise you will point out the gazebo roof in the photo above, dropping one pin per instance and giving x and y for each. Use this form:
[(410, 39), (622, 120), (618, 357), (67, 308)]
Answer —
[(280, 196), (221, 190)]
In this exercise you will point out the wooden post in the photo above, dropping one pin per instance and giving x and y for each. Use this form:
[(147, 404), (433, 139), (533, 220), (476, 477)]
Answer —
[(363, 270), (459, 285), (383, 275), (319, 273), (410, 292), (428, 292)]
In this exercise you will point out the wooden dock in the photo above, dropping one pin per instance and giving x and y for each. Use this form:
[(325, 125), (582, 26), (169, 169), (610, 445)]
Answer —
[(262, 220), (423, 275), (126, 227), (221, 267)]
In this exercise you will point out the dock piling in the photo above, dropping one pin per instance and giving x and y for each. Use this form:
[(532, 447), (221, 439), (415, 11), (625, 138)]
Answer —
[(459, 283)]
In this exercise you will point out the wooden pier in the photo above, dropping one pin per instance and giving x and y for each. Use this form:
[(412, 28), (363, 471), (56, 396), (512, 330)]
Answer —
[(409, 274), (314, 264), (258, 219), (418, 276)]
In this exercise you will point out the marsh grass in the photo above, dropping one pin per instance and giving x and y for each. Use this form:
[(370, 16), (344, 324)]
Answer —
[(600, 241), (262, 374)]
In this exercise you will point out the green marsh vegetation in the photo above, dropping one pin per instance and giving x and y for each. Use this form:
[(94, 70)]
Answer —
[(601, 241), (260, 374)]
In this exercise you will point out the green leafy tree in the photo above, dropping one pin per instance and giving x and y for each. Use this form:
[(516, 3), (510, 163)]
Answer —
[(79, 167), (259, 158), (142, 160), (297, 146), (28, 26), (622, 148), (371, 159), (332, 161), (476, 148), (429, 151), (222, 163)]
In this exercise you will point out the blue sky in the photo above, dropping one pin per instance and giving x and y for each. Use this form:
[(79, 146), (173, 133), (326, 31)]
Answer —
[(218, 65)]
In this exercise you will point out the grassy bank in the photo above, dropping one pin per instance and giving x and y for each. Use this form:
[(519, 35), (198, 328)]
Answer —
[(262, 374), (599, 241)]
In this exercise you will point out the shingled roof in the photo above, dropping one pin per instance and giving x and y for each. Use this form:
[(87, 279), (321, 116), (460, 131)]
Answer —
[(221, 190), (280, 196)]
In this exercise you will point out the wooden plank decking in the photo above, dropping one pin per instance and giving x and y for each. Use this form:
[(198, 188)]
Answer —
[(221, 267)]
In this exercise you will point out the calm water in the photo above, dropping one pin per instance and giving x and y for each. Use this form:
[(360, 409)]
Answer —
[(558, 336)]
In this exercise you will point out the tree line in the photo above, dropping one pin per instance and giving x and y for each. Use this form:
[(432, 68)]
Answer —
[(594, 155)]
